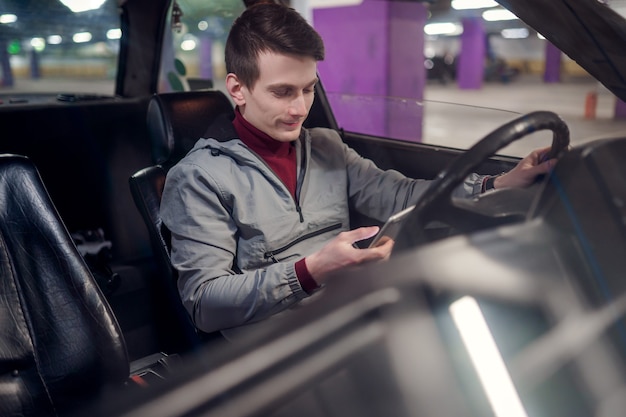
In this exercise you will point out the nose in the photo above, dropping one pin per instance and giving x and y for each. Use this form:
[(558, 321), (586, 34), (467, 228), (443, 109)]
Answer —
[(298, 106)]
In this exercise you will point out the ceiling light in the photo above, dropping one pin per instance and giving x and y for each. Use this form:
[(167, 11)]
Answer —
[(8, 18), (497, 15), (81, 37), (514, 33), (446, 28), (54, 39), (188, 45), (321, 4), (114, 33), (38, 44), (189, 42), (473, 4), (78, 6)]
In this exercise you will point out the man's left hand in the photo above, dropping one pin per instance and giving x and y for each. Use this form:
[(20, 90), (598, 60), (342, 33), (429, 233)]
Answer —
[(526, 171)]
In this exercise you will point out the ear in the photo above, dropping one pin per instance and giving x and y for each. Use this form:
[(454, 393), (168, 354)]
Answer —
[(234, 87)]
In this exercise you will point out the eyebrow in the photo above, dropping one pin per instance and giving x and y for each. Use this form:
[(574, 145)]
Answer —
[(285, 85)]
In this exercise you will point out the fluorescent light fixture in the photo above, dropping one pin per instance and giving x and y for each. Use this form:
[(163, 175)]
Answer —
[(497, 15), (78, 6), (114, 33), (446, 28), (473, 4), (321, 4), (81, 37), (38, 44), (486, 358), (188, 45), (514, 33), (8, 18), (54, 39)]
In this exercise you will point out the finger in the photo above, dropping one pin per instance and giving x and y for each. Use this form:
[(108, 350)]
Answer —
[(538, 155), (544, 167), (549, 164), (386, 249), (377, 253), (361, 233)]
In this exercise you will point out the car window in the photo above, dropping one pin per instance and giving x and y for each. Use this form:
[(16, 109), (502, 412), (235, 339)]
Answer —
[(372, 92), (193, 48), (61, 46)]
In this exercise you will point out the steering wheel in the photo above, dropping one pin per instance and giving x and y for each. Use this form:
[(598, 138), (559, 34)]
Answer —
[(437, 204)]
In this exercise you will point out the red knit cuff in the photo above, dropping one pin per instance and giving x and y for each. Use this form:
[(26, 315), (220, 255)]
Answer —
[(483, 186), (307, 282)]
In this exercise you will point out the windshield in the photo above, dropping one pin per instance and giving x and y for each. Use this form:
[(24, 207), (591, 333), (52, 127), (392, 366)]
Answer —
[(374, 90)]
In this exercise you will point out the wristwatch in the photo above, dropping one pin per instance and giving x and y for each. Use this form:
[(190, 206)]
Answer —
[(489, 182)]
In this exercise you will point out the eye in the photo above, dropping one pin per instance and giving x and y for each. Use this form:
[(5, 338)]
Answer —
[(282, 92)]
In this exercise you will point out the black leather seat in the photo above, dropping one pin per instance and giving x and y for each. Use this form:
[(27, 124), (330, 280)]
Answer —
[(175, 122), (60, 343)]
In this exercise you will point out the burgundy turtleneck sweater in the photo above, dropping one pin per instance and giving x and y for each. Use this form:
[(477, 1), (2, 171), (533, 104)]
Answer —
[(281, 158)]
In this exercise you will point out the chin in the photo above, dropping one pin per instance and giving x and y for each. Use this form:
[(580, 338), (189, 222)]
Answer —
[(288, 136)]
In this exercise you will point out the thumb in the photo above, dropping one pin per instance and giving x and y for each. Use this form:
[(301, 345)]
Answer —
[(362, 233)]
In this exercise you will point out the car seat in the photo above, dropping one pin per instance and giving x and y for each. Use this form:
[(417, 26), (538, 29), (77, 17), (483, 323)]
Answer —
[(60, 342), (175, 122)]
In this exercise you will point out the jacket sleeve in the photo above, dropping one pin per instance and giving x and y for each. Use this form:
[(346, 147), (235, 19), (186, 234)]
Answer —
[(380, 193), (204, 247)]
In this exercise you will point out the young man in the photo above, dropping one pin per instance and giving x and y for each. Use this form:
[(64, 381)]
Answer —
[(259, 210)]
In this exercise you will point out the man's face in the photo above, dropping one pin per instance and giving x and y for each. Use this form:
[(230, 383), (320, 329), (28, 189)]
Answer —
[(281, 98)]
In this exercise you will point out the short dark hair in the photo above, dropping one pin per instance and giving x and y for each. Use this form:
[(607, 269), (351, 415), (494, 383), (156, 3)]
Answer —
[(268, 27)]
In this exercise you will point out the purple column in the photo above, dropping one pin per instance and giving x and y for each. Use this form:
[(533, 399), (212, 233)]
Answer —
[(471, 66), (552, 72), (354, 72), (407, 74), (378, 56), (620, 109), (206, 57)]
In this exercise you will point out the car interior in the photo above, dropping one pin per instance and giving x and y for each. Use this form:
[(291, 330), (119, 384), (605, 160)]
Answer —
[(390, 346), (544, 265), (173, 121)]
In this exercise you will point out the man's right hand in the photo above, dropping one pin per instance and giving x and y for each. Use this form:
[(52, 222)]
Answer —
[(340, 253)]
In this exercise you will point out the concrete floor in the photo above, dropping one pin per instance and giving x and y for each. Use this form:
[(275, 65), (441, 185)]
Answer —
[(465, 124)]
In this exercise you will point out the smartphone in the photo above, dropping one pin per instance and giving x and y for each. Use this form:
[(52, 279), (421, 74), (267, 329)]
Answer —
[(391, 228)]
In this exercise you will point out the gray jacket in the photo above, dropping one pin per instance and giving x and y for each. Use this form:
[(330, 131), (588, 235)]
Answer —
[(237, 231)]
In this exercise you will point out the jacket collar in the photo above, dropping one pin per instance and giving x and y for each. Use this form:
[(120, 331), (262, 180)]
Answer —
[(222, 128)]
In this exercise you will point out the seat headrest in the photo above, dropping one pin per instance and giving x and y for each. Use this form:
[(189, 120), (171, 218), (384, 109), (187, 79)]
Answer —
[(177, 120)]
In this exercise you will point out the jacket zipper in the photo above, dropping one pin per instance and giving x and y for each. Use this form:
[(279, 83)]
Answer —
[(300, 180), (272, 254)]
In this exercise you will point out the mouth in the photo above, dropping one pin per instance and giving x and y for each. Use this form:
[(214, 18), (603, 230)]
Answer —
[(292, 125)]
